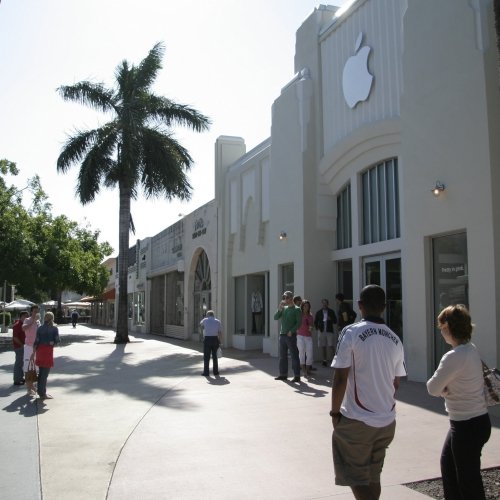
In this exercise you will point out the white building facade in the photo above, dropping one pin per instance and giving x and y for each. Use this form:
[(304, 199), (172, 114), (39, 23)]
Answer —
[(390, 100)]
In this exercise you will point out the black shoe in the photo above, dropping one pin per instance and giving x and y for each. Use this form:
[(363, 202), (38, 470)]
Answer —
[(21, 382), (313, 368), (216, 373), (204, 374), (324, 363), (296, 379), (281, 377)]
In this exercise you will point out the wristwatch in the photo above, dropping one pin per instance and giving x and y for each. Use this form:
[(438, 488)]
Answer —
[(335, 414)]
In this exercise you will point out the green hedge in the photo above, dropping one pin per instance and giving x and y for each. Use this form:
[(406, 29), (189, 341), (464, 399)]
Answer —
[(7, 318)]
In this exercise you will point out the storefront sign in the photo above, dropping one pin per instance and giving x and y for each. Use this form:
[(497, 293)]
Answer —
[(451, 271)]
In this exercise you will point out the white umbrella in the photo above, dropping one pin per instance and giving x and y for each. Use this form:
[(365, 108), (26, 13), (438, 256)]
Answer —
[(50, 303), (77, 304), (19, 304)]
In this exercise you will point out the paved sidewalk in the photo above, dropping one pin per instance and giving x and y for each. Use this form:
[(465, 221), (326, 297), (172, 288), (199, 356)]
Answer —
[(139, 422)]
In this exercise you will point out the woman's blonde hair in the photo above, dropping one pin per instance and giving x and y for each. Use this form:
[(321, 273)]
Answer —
[(458, 319), (49, 317)]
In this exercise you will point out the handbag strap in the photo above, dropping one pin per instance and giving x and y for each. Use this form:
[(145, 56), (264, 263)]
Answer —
[(486, 370)]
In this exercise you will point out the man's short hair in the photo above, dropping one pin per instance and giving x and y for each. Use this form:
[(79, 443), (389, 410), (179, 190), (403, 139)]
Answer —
[(33, 307), (340, 296), (210, 313), (373, 298), (288, 294)]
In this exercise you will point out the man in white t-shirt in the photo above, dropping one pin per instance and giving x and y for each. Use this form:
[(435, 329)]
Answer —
[(368, 364)]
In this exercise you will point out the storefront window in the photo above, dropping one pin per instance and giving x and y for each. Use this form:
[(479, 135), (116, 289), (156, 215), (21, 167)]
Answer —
[(344, 224), (239, 305), (175, 298), (287, 278), (139, 308), (451, 280), (380, 202)]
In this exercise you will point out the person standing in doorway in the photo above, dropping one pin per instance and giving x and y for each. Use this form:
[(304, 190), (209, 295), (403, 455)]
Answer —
[(212, 339), (18, 337), (324, 322), (30, 326), (346, 314), (291, 318), (368, 365)]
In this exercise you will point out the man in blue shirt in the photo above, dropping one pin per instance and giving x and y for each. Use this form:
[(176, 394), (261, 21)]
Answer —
[(212, 339)]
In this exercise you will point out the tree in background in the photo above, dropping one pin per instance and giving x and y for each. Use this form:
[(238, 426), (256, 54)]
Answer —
[(135, 149), (70, 258), (42, 254)]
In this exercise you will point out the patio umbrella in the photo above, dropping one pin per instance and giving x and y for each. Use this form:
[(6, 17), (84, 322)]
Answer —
[(50, 303), (19, 304), (77, 304)]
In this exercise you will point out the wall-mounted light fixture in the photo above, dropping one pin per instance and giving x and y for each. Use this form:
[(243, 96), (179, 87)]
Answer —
[(282, 235), (438, 188)]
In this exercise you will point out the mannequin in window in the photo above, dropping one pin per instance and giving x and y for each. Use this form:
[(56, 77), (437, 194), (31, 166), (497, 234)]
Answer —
[(257, 308)]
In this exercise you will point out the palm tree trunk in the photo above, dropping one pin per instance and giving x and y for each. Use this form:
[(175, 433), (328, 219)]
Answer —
[(123, 243)]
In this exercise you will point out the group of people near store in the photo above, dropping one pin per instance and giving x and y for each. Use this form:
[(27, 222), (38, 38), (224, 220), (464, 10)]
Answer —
[(296, 332), (33, 344), (368, 363)]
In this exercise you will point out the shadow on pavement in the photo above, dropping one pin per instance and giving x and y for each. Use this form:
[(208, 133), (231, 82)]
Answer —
[(24, 405)]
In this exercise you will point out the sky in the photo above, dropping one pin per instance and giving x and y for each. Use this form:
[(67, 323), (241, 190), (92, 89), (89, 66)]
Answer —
[(229, 59)]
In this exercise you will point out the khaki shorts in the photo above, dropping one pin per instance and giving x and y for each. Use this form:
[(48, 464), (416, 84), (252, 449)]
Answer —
[(359, 451)]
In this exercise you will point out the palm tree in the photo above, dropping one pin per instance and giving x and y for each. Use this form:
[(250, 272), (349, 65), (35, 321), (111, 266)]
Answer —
[(135, 149)]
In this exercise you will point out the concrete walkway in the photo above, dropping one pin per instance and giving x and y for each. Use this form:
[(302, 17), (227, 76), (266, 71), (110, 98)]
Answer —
[(139, 422)]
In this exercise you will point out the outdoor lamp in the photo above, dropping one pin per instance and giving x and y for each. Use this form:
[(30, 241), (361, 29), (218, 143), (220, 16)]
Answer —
[(438, 188)]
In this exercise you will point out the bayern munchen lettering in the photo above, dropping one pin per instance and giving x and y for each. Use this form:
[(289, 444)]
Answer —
[(378, 331)]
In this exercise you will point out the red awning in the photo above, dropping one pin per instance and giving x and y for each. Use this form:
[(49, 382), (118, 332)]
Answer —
[(109, 295)]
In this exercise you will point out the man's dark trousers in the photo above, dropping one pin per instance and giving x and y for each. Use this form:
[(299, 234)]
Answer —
[(210, 346), (289, 343)]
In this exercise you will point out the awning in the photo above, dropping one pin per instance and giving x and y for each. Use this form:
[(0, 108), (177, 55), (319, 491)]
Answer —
[(109, 294)]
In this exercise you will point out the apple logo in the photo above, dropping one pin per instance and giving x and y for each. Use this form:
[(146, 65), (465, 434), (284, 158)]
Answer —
[(356, 79)]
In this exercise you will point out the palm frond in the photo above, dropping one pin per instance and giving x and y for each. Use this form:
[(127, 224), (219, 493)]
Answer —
[(149, 67), (94, 95), (164, 166), (167, 112), (75, 149), (97, 164)]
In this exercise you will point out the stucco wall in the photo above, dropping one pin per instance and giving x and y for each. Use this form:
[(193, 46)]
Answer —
[(445, 137)]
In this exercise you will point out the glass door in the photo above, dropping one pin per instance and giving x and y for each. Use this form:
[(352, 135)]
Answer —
[(385, 271), (451, 281)]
